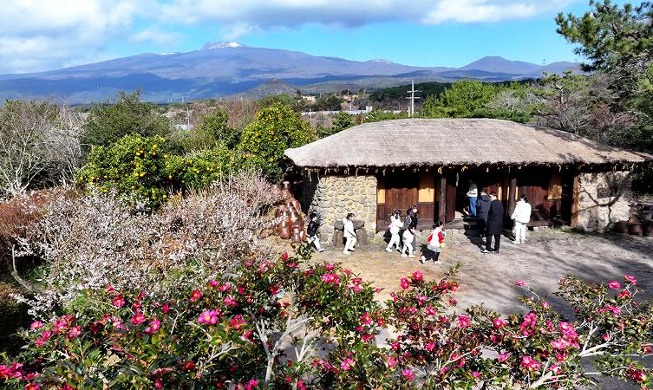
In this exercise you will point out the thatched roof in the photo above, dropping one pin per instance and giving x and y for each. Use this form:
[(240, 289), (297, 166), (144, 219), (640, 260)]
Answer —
[(446, 142)]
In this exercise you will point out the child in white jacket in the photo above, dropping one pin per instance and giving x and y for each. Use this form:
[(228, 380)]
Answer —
[(349, 233), (394, 228), (407, 240)]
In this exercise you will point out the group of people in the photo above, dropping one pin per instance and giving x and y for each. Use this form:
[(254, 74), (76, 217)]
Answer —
[(487, 208), (404, 240), (489, 212)]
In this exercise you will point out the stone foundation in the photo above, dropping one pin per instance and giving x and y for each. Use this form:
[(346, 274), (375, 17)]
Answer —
[(333, 196), (603, 199)]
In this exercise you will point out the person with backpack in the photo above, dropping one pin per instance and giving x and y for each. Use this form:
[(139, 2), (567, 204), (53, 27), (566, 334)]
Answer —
[(412, 217), (312, 231), (407, 238), (434, 244), (394, 228)]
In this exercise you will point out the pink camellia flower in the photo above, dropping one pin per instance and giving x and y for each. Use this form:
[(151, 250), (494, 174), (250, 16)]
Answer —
[(329, 267), (209, 317), (390, 361), (520, 283), (252, 384), (138, 318), (545, 304), (74, 332), (558, 344), (530, 363), (498, 323), (225, 287), (503, 357), (476, 374), (418, 276), (405, 283), (463, 321), (624, 294), (36, 325), (285, 256), (110, 289), (213, 283), (613, 284), (347, 364), (430, 310), (195, 296), (165, 308), (237, 322), (118, 301), (630, 279), (331, 279), (153, 327), (430, 346), (229, 301), (606, 337), (408, 374)]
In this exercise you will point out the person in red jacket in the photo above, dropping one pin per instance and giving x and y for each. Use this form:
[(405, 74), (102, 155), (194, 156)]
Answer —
[(434, 244)]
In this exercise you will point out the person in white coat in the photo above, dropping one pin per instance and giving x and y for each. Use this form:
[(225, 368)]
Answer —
[(407, 239), (394, 228), (522, 216), (349, 234)]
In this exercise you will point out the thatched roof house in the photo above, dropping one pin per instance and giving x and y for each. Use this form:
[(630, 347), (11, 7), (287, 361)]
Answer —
[(393, 164), (453, 142)]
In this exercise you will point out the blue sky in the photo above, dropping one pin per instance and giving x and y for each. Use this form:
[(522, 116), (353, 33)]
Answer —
[(38, 35)]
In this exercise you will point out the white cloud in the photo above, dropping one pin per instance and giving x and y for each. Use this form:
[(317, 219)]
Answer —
[(245, 15), (39, 35)]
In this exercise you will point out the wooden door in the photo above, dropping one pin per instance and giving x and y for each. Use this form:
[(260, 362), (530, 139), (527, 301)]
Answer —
[(400, 192)]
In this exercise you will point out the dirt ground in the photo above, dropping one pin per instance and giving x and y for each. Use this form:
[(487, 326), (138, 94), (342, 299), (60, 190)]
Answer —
[(548, 255)]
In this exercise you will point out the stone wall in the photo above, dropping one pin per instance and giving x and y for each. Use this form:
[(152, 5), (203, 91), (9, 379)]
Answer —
[(333, 196), (603, 200)]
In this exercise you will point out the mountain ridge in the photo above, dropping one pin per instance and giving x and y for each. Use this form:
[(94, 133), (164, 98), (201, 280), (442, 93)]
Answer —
[(222, 69)]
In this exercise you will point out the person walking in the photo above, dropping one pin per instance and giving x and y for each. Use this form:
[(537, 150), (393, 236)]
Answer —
[(312, 231), (494, 226), (434, 244), (412, 217), (472, 194), (522, 216), (349, 234), (407, 239), (394, 228)]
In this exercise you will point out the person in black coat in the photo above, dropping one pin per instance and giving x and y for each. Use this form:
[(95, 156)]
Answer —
[(482, 208), (494, 227)]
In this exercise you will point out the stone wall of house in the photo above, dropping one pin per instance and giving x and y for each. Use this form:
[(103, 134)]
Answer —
[(333, 196), (603, 200)]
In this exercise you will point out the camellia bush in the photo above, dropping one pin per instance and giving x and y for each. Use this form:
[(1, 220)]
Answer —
[(288, 323)]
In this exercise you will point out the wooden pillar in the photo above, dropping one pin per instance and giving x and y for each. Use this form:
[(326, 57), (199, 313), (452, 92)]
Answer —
[(575, 203), (442, 210), (512, 194)]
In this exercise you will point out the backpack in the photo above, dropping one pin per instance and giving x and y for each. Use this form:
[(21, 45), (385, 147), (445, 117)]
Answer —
[(407, 222)]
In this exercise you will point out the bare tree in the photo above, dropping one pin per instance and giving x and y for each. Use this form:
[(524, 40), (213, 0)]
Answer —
[(39, 145)]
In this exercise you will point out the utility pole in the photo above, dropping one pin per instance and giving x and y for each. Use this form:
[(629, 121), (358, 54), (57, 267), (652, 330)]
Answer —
[(411, 110)]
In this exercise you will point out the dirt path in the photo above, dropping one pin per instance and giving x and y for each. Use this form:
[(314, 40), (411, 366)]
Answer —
[(489, 278)]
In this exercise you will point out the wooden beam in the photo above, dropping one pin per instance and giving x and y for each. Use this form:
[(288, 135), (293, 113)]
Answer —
[(442, 210), (575, 203), (512, 194)]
